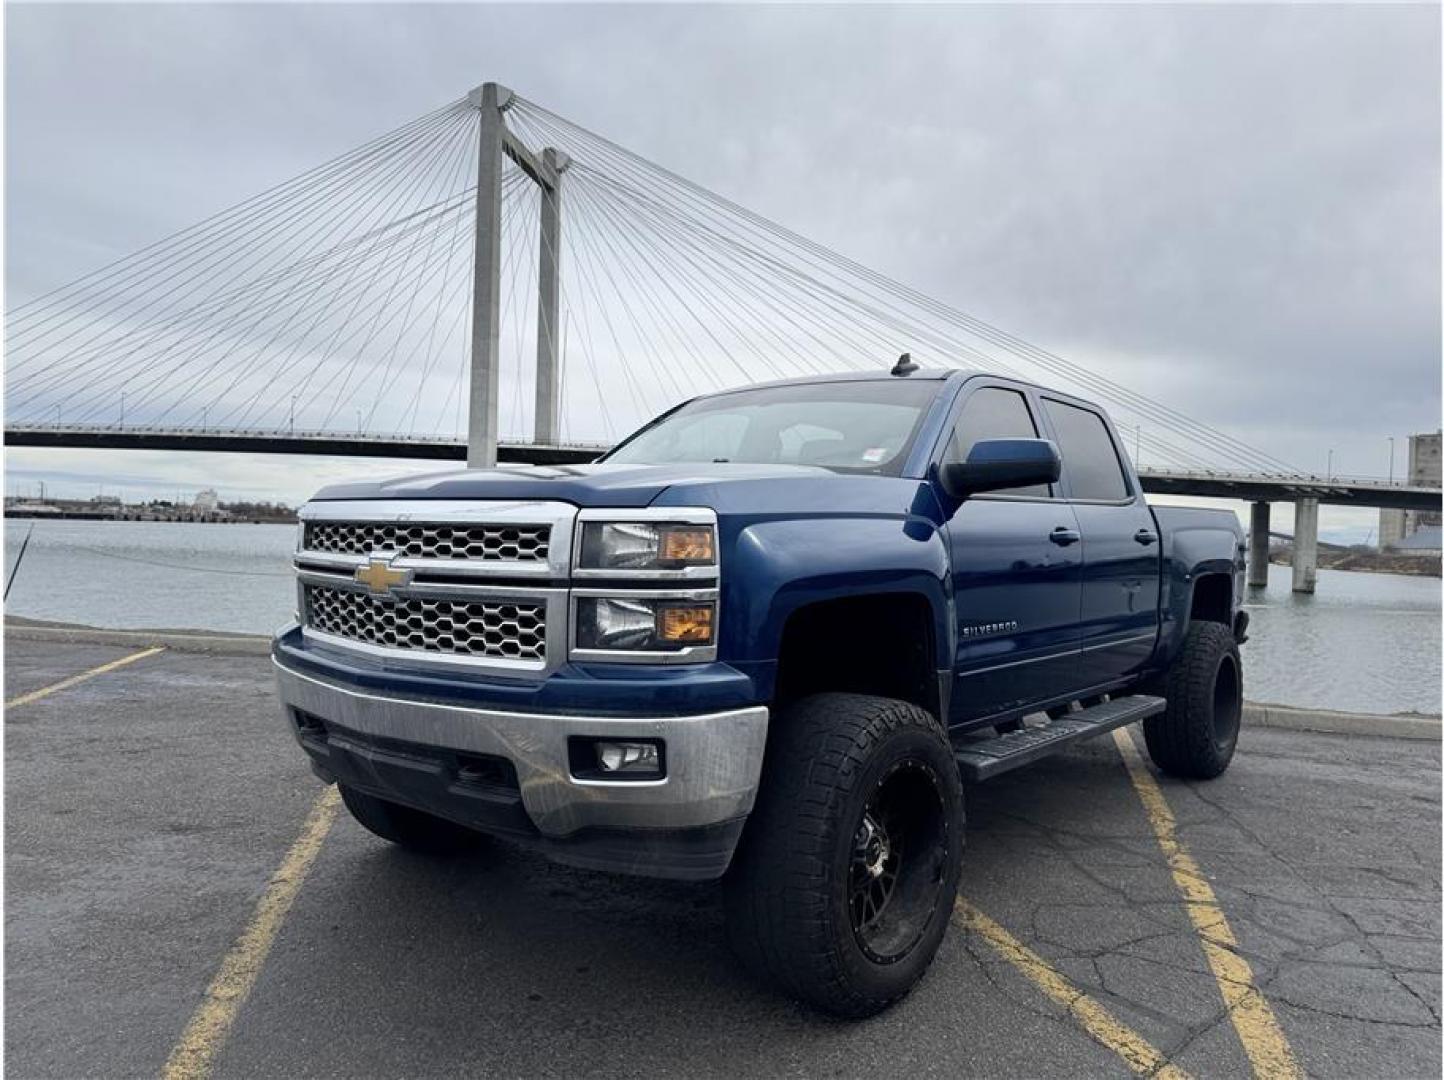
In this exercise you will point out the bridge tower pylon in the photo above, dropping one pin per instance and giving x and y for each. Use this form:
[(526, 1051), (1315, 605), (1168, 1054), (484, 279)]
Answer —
[(545, 169)]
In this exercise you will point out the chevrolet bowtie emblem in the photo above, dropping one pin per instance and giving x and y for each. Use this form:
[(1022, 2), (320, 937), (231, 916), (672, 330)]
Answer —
[(378, 576)]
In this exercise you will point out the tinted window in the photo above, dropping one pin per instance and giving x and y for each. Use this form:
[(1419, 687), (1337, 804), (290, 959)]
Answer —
[(994, 413), (863, 425), (1090, 460)]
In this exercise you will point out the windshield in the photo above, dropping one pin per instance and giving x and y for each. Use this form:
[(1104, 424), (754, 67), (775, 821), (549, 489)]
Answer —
[(863, 426)]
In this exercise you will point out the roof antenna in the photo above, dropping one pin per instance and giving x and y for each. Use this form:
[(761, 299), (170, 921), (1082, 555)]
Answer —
[(904, 365)]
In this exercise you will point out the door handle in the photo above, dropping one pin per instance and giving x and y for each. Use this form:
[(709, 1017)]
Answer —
[(1063, 536), (1145, 536)]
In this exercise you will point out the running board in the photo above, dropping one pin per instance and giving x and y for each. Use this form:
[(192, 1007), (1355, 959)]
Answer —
[(987, 758)]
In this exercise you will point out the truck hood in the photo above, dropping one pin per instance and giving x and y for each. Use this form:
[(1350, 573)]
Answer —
[(601, 485)]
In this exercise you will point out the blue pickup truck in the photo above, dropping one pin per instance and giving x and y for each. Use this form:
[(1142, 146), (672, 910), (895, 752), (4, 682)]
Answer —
[(768, 638)]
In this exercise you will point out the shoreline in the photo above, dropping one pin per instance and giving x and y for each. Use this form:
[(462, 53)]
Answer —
[(1367, 562), (221, 642), (192, 519)]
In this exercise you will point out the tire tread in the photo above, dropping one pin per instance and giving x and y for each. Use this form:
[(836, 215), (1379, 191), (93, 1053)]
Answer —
[(1181, 740), (779, 916)]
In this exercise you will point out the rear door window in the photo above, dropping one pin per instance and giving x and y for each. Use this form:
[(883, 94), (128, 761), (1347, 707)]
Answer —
[(993, 412), (1090, 460)]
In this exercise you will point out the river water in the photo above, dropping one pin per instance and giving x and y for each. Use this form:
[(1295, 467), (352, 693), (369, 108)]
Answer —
[(1363, 642)]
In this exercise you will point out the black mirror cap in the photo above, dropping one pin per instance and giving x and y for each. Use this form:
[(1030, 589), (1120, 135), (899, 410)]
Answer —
[(995, 464)]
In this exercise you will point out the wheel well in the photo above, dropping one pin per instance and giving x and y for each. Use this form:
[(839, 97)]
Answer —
[(1212, 600), (878, 644)]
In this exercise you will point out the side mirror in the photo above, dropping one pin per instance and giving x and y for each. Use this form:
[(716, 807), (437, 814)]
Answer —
[(994, 464)]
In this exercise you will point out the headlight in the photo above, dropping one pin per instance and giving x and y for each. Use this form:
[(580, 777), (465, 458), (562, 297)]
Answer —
[(641, 624), (637, 545)]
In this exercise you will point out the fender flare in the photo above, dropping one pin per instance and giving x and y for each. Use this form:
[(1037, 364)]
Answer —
[(790, 564)]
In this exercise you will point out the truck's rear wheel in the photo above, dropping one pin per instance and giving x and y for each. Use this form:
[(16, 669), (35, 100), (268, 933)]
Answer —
[(843, 887), (1197, 735), (411, 829)]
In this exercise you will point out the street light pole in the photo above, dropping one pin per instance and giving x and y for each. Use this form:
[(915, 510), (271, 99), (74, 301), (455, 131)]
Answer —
[(1391, 459), (1329, 475)]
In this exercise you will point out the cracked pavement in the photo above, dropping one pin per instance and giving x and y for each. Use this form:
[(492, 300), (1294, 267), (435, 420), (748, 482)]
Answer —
[(146, 808)]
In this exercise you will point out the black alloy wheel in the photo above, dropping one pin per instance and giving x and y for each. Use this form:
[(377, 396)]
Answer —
[(1227, 701), (900, 851)]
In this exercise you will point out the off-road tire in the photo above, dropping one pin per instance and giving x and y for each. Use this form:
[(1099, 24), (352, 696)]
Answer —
[(790, 892), (409, 828), (1196, 736)]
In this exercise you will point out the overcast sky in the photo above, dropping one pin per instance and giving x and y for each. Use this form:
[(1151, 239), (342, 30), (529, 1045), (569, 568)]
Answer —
[(1236, 208)]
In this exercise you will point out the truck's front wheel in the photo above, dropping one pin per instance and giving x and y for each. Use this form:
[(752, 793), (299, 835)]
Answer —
[(843, 886), (408, 828)]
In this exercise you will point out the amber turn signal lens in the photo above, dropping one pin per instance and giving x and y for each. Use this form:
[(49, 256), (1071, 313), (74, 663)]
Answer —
[(683, 545), (685, 625)]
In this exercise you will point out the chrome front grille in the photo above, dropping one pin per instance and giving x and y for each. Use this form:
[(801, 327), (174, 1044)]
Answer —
[(482, 543), (438, 583), (501, 630)]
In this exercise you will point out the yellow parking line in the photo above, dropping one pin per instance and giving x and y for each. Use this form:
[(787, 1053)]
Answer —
[(1258, 1029), (65, 684), (196, 1051), (1137, 1052)]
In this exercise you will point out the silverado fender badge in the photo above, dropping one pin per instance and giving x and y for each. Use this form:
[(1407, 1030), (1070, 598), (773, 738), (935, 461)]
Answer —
[(989, 628), (379, 576)]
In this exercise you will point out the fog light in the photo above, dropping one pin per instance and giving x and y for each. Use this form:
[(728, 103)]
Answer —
[(617, 760), (628, 757)]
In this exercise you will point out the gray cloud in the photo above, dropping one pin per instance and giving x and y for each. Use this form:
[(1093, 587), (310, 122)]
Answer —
[(1235, 209)]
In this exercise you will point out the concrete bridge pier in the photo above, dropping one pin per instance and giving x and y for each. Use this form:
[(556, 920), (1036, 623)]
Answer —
[(1306, 544), (1258, 545)]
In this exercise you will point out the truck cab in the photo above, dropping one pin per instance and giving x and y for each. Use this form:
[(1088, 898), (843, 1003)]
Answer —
[(767, 638)]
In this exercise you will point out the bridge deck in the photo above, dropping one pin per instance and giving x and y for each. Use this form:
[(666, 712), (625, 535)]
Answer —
[(1217, 485)]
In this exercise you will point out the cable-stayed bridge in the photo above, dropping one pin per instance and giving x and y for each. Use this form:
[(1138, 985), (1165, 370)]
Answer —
[(494, 281)]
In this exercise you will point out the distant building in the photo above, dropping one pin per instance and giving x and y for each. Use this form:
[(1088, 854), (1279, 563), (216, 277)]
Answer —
[(206, 501), (1397, 526), (31, 508)]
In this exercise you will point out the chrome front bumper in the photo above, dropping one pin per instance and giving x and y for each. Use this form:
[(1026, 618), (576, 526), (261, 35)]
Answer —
[(714, 760)]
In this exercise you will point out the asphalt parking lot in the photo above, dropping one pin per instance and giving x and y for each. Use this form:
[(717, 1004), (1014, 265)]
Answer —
[(147, 808)]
